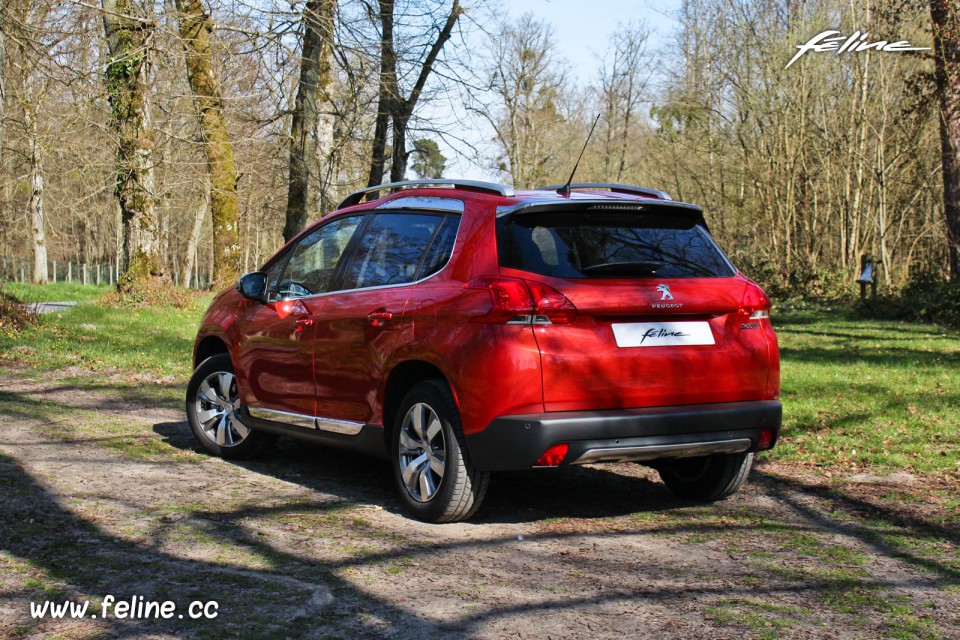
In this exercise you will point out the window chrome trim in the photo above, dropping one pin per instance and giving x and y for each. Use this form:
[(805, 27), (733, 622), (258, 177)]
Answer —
[(345, 427), (423, 203)]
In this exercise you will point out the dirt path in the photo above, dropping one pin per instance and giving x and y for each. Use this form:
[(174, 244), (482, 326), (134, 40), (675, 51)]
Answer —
[(102, 492)]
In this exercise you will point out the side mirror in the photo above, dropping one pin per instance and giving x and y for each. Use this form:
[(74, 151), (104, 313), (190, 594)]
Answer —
[(252, 285)]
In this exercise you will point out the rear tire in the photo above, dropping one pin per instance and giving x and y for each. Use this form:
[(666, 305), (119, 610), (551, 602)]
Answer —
[(432, 470), (212, 403), (706, 479)]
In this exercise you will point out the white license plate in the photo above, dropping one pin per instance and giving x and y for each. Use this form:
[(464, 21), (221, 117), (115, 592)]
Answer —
[(662, 334)]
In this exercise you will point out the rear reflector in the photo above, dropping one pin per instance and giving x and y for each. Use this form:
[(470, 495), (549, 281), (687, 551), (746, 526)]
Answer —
[(553, 456), (518, 301), (766, 440)]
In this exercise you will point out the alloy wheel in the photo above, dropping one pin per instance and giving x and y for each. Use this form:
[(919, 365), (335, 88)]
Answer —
[(217, 402), (422, 452)]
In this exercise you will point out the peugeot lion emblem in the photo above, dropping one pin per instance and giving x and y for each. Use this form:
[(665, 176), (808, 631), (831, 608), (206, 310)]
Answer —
[(664, 291)]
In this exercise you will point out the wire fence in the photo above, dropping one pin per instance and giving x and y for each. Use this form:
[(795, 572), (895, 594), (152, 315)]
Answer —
[(21, 270)]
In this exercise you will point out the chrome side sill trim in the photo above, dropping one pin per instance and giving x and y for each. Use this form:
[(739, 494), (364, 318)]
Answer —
[(653, 452), (296, 419), (307, 422), (345, 427)]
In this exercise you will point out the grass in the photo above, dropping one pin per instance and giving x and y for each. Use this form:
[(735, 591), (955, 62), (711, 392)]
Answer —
[(868, 396), (148, 341), (59, 292)]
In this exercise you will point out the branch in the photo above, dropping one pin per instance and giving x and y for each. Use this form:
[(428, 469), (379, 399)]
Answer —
[(442, 38)]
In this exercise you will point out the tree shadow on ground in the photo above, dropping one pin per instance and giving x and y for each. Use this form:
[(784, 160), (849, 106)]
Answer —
[(295, 595)]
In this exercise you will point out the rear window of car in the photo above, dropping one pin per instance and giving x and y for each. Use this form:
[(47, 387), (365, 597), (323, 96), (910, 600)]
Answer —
[(609, 245)]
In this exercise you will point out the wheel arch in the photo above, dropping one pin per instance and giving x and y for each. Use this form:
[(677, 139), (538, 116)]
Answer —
[(402, 378), (208, 347)]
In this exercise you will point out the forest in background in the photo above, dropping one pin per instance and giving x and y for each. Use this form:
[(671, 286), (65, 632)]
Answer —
[(111, 147)]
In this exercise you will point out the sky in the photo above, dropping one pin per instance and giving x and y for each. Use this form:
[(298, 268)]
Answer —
[(581, 30)]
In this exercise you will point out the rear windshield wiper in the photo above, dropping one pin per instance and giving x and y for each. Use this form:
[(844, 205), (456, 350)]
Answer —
[(647, 268)]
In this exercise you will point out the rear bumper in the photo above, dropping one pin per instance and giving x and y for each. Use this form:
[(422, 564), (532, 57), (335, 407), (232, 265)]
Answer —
[(517, 442)]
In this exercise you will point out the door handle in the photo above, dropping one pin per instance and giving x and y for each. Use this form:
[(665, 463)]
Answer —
[(379, 318), (300, 324)]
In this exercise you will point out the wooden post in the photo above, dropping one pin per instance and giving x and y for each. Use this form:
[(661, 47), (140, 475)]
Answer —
[(54, 272), (84, 269), (69, 271)]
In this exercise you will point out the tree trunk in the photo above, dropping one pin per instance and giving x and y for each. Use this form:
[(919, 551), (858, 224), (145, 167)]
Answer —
[(129, 41), (316, 81), (946, 49), (398, 163), (388, 94), (195, 29), (3, 86), (194, 239), (36, 195)]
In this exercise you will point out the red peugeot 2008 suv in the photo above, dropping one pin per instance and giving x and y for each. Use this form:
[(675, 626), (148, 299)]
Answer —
[(460, 328)]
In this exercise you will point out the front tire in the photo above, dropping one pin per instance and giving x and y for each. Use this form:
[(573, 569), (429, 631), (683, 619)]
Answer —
[(706, 479), (212, 403), (433, 473)]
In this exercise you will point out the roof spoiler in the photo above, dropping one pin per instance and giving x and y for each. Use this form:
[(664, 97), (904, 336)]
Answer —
[(615, 188)]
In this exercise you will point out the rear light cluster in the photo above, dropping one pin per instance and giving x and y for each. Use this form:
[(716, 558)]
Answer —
[(754, 305), (518, 301)]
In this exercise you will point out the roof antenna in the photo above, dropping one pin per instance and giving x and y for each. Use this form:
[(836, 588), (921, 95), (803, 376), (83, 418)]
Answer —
[(565, 189)]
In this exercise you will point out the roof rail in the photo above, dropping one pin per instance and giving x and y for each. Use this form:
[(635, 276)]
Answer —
[(615, 188), (487, 187)]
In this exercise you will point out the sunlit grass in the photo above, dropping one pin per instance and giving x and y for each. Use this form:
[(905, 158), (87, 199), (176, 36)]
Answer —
[(59, 292), (866, 395), (135, 340)]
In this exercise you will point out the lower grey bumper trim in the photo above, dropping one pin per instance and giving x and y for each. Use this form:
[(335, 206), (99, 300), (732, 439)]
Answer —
[(654, 452)]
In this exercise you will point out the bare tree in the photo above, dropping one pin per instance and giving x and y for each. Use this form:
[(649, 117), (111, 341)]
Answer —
[(624, 76), (946, 39), (527, 77), (393, 109), (129, 29), (29, 20), (311, 131), (195, 30), (389, 93)]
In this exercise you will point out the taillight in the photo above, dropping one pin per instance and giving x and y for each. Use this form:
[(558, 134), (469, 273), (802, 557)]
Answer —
[(553, 456), (518, 301), (754, 305)]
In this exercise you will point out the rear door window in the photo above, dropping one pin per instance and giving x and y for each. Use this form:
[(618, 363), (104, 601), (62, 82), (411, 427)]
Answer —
[(609, 245), (393, 247)]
